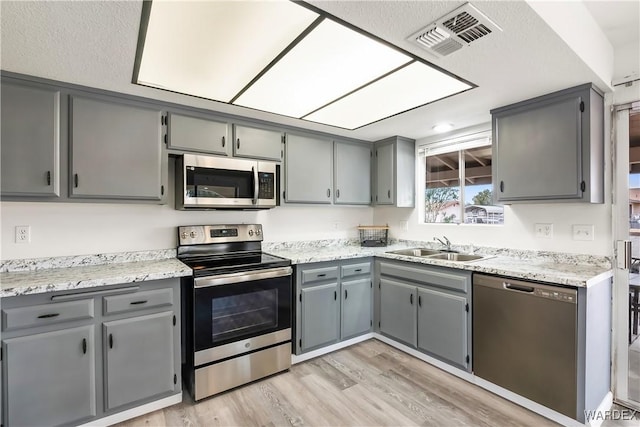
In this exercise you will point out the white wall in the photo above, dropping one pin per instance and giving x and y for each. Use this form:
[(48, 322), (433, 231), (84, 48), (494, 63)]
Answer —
[(59, 229)]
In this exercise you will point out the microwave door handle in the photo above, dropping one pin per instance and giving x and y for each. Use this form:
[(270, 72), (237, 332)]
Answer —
[(255, 184)]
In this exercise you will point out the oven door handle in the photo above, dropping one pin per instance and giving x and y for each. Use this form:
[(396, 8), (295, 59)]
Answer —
[(256, 187), (244, 276)]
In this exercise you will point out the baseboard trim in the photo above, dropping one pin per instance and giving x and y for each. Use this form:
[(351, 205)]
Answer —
[(324, 350), (135, 412)]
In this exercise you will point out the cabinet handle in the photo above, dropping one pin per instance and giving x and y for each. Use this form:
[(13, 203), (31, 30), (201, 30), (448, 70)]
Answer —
[(337, 194), (223, 141), (411, 299), (345, 294), (328, 192), (419, 301), (238, 143), (389, 193), (322, 275), (110, 340), (162, 190), (335, 295), (84, 346), (138, 302), (48, 177), (501, 186), (75, 180), (48, 316), (358, 270)]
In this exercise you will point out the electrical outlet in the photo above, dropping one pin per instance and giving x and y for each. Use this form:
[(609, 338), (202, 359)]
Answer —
[(544, 231), (337, 225), (23, 234), (404, 225), (582, 231)]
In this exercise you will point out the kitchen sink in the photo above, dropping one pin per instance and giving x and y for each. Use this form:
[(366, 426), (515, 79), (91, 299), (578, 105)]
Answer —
[(438, 254), (457, 257)]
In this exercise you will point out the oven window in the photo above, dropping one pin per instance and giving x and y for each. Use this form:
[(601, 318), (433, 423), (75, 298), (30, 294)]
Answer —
[(237, 315), (219, 183)]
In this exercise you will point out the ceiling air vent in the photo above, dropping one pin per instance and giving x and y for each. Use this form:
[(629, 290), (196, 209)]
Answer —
[(454, 31)]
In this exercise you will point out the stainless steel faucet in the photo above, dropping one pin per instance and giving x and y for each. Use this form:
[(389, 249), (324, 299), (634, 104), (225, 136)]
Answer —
[(446, 243)]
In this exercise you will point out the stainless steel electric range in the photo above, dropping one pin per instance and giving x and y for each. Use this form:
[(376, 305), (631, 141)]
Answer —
[(237, 308)]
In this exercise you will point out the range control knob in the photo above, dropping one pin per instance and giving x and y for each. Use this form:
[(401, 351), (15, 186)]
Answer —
[(250, 232), (258, 232), (193, 234), (184, 235)]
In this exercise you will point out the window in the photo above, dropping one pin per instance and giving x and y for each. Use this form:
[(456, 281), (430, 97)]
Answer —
[(458, 186)]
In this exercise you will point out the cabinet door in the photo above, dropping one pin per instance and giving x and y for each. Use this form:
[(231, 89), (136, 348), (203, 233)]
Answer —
[(538, 151), (352, 168), (308, 169), (197, 134), (257, 143), (320, 316), (356, 307), (398, 302), (50, 377), (385, 172), (30, 141), (116, 151), (442, 325), (138, 358)]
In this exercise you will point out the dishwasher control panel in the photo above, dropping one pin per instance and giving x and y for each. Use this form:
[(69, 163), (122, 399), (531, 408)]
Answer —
[(556, 295)]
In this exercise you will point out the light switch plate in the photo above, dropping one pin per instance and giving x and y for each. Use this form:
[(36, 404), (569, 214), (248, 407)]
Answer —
[(582, 231), (404, 225), (544, 231)]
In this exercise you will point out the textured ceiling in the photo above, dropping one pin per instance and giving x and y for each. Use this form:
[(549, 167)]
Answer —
[(94, 44)]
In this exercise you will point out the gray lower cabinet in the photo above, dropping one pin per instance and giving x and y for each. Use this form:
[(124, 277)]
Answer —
[(398, 311), (139, 358), (394, 172), (352, 173), (550, 148), (30, 137), (334, 302), (257, 143), (199, 134), (427, 308), (50, 377), (116, 150), (308, 169), (73, 357)]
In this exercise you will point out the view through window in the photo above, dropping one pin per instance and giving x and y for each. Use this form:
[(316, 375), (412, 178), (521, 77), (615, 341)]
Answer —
[(458, 187)]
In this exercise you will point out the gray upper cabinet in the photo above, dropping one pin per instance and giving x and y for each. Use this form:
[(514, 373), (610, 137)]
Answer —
[(50, 378), (203, 135), (394, 174), (398, 302), (308, 169), (116, 151), (550, 148), (139, 358), (352, 173), (30, 147), (257, 143)]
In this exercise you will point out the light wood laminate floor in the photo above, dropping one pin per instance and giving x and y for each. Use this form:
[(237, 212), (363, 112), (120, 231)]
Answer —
[(369, 384)]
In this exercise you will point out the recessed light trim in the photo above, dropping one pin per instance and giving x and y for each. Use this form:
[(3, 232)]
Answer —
[(442, 127)]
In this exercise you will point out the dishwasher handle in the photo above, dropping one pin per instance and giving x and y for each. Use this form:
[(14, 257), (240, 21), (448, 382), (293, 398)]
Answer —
[(519, 288)]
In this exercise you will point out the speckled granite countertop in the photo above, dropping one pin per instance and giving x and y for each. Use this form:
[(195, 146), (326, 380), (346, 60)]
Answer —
[(550, 267), (34, 276)]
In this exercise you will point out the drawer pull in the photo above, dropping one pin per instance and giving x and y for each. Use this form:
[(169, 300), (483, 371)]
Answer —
[(322, 275), (84, 346), (48, 316), (139, 302), (358, 270)]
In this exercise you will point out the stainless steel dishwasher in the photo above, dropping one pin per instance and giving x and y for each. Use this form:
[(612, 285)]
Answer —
[(525, 339)]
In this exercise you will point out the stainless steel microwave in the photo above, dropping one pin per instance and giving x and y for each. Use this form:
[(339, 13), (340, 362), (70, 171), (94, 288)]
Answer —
[(208, 182)]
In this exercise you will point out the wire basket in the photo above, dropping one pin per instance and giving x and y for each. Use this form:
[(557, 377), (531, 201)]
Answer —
[(374, 235)]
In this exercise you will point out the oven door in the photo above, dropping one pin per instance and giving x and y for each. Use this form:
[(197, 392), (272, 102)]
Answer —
[(240, 312)]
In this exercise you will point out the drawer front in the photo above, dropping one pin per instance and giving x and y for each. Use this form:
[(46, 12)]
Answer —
[(138, 301), (318, 274), (356, 269), (45, 314), (455, 281)]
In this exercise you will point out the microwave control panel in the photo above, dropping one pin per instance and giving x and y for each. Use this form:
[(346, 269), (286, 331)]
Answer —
[(266, 189)]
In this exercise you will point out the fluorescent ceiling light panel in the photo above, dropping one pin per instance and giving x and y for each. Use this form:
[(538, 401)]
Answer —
[(213, 49), (412, 86), (328, 63)]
